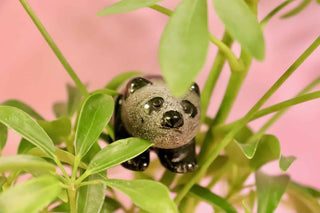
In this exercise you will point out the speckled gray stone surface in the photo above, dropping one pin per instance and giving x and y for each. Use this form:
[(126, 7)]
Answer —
[(139, 123)]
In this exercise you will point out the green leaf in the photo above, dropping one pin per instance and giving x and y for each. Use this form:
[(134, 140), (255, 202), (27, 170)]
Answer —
[(95, 148), (24, 107), (306, 189), (126, 6), (3, 136), (25, 146), (58, 130), (90, 198), (211, 198), (23, 163), (184, 45), (62, 208), (149, 195), (303, 198), (297, 9), (242, 25), (22, 123), (110, 205), (74, 99), (94, 116), (60, 109), (285, 162), (268, 150), (270, 190), (62, 155), (116, 153), (30, 196), (248, 149), (118, 80)]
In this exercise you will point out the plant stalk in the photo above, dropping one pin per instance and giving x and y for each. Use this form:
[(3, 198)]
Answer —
[(228, 138), (54, 47)]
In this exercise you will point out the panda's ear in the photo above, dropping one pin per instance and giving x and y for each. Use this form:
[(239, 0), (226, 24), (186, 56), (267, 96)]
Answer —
[(136, 84), (195, 88)]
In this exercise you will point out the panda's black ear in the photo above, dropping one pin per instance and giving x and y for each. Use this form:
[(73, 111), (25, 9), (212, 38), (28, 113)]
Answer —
[(195, 88), (136, 84)]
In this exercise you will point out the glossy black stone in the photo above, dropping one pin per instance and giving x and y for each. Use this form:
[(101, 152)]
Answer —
[(195, 88), (136, 84), (179, 160), (172, 119)]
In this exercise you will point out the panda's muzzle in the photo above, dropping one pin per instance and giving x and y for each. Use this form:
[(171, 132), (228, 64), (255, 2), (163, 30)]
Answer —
[(172, 119)]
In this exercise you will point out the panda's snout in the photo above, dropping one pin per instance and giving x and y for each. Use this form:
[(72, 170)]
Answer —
[(172, 119)]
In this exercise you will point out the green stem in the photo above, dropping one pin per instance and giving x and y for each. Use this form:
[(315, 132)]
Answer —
[(167, 178), (233, 88), (162, 9), (72, 193), (298, 9), (286, 104), (64, 172), (266, 19), (235, 64), (228, 138), (77, 160), (213, 77), (54, 47)]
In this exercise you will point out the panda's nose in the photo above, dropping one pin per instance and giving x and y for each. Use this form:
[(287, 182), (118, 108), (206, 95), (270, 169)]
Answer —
[(172, 119)]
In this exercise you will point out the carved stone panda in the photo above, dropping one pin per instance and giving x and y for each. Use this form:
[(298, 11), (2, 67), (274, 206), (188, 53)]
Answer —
[(148, 110)]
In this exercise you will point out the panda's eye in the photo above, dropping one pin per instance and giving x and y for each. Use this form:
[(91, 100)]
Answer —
[(189, 108), (153, 105), (157, 102)]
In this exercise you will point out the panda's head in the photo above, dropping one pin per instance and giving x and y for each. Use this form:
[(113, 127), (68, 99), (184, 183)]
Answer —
[(149, 111)]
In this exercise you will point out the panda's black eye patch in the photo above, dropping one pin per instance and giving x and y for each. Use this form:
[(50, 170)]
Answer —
[(153, 105), (189, 108), (136, 84)]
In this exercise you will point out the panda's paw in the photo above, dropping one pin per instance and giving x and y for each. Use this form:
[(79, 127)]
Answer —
[(184, 167)]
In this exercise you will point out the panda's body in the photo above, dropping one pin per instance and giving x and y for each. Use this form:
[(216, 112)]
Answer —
[(147, 110)]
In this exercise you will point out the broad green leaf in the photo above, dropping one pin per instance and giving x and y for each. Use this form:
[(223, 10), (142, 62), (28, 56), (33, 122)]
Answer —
[(116, 153), (211, 198), (94, 116), (126, 6), (248, 149), (245, 207), (60, 109), (62, 208), (74, 99), (95, 148), (118, 80), (270, 190), (149, 195), (24, 107), (22, 123), (306, 189), (110, 205), (25, 146), (58, 130), (285, 162), (23, 163), (268, 150), (298, 9), (63, 196), (184, 45), (3, 136), (242, 25), (30, 196), (90, 198), (303, 198), (239, 150), (217, 164), (62, 155)]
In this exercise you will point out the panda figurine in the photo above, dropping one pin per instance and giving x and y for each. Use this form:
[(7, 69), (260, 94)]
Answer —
[(146, 109)]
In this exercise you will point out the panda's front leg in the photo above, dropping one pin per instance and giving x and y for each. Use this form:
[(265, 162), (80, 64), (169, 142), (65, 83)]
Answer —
[(139, 163), (179, 160)]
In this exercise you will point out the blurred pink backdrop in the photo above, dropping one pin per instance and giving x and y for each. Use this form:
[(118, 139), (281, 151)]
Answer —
[(99, 48)]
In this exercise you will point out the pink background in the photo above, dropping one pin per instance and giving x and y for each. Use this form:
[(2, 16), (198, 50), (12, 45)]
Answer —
[(99, 48)]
